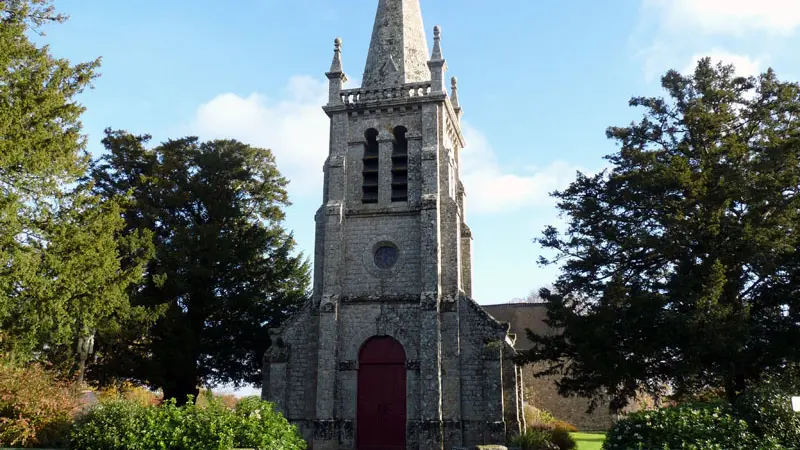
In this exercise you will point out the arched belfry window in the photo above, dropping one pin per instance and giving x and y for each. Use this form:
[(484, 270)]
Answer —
[(370, 185), (400, 165)]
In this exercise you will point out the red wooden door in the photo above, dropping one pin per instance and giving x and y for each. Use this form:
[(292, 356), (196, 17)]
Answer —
[(381, 405)]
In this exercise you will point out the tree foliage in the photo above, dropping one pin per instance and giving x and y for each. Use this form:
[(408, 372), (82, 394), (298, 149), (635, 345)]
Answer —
[(225, 267), (61, 247), (680, 262)]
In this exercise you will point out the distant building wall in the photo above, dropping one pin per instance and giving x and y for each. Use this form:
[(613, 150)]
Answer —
[(542, 392)]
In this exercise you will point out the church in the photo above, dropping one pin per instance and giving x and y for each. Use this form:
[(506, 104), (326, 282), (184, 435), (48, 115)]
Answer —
[(392, 352)]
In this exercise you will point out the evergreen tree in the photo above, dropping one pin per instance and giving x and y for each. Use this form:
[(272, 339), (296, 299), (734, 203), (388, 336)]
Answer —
[(680, 263), (225, 267), (62, 249)]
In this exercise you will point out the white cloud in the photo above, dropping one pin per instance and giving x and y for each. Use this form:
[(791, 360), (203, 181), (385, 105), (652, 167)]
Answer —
[(294, 127), (731, 17), (671, 33), (491, 189), (745, 66)]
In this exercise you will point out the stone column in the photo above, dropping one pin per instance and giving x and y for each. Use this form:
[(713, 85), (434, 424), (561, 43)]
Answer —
[(451, 375), (276, 382), (385, 149), (430, 429), (325, 432), (493, 392), (466, 260), (511, 403), (346, 403)]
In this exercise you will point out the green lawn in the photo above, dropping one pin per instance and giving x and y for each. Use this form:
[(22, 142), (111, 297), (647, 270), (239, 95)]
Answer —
[(589, 441)]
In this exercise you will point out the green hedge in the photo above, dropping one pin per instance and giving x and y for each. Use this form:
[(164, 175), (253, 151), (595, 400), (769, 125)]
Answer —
[(689, 427), (124, 425)]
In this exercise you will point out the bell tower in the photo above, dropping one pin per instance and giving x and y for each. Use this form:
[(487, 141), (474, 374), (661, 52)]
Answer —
[(392, 222), (391, 351)]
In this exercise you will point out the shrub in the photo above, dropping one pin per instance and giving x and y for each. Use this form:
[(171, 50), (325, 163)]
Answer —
[(543, 431), (122, 425), (534, 417), (767, 408), (35, 408), (534, 439), (210, 427), (260, 427), (130, 391), (127, 425), (563, 425), (544, 437), (689, 427), (562, 439)]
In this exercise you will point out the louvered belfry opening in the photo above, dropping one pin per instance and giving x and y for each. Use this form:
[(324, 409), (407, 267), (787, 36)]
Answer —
[(400, 165), (370, 186)]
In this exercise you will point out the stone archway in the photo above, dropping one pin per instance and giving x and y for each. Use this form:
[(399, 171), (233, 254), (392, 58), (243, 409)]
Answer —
[(381, 395)]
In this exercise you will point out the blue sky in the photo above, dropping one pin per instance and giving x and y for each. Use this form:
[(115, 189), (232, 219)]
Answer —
[(539, 82)]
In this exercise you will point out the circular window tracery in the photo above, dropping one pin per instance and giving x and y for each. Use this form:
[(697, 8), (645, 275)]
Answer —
[(385, 256)]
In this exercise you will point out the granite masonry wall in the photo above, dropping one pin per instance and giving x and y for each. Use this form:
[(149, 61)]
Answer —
[(478, 396)]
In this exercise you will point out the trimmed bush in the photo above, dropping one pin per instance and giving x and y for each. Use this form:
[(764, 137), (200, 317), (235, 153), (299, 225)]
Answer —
[(688, 427), (768, 410), (35, 408), (564, 425), (562, 439), (259, 426), (128, 425), (544, 437), (122, 425), (534, 439), (211, 427), (544, 431)]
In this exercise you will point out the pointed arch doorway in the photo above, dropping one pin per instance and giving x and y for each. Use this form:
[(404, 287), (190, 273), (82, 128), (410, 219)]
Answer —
[(381, 397)]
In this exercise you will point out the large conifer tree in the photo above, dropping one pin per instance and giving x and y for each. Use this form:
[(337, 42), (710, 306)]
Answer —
[(225, 267), (680, 263), (62, 275)]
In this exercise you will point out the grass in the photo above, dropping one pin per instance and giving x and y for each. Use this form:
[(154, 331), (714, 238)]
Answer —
[(589, 441)]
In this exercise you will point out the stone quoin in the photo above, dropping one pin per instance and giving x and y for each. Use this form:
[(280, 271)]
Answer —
[(392, 352)]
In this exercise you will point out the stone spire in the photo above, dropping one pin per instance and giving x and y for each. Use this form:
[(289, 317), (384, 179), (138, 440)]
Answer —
[(336, 76), (454, 95), (437, 44), (336, 65), (437, 65), (398, 52)]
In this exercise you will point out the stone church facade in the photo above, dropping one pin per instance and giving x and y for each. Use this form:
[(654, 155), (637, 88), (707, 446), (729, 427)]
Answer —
[(392, 352)]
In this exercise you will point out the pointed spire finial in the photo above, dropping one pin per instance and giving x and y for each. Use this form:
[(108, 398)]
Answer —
[(336, 65), (454, 94), (437, 44), (437, 64), (336, 76)]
